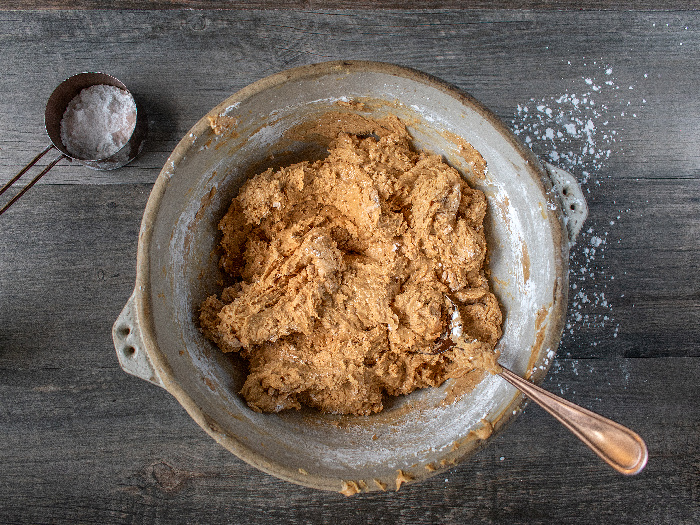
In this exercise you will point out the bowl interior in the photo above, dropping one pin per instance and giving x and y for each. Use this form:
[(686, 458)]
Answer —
[(421, 433)]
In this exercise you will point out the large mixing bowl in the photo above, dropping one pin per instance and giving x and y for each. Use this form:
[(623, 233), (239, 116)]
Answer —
[(533, 215)]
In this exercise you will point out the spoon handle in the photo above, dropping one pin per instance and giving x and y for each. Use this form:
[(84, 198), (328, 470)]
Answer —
[(618, 446)]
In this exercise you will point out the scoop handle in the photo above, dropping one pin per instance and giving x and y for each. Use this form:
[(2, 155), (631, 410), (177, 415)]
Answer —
[(617, 445), (33, 181)]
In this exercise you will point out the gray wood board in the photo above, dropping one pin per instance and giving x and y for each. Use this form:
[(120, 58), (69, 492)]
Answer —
[(82, 441), (312, 5)]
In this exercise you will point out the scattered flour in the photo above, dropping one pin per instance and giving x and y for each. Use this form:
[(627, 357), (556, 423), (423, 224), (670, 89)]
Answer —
[(578, 133), (98, 122)]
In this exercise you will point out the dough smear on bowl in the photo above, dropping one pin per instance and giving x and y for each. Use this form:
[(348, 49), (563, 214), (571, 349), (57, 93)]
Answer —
[(341, 270)]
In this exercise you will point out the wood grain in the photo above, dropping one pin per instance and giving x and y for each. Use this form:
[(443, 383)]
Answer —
[(647, 5), (81, 441)]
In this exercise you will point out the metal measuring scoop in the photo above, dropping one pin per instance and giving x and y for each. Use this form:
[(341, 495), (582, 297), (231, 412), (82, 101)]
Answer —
[(618, 446), (55, 108)]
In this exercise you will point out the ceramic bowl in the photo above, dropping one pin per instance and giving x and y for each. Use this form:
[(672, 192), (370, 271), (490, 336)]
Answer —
[(533, 216)]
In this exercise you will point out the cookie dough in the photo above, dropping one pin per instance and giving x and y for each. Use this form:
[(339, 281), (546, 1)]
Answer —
[(343, 272)]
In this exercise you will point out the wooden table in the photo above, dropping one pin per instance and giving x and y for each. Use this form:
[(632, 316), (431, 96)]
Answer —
[(610, 95)]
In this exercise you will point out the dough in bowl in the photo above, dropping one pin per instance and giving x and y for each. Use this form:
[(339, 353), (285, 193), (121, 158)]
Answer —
[(340, 274)]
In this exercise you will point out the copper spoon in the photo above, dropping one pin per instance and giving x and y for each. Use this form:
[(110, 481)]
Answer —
[(618, 446)]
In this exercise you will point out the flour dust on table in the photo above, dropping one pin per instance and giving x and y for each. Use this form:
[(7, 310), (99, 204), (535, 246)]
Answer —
[(578, 134)]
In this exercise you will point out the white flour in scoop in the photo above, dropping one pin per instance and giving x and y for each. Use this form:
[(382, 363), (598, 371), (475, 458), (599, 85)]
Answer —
[(98, 122)]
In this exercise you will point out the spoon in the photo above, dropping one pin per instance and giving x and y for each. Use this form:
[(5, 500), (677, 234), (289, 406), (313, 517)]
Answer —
[(618, 446)]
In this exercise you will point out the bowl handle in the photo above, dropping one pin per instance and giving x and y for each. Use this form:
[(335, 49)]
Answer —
[(129, 344), (573, 203)]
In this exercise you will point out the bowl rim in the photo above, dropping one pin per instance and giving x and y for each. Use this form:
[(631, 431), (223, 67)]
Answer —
[(142, 294)]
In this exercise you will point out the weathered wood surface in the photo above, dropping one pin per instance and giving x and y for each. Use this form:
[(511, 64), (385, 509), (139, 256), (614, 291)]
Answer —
[(647, 5), (81, 441)]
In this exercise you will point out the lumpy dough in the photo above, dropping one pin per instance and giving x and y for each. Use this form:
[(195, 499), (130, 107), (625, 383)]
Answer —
[(344, 271)]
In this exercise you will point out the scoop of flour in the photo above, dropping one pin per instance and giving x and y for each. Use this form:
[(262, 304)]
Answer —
[(98, 122)]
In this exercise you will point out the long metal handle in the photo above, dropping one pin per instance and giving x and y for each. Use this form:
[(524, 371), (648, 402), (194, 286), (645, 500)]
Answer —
[(33, 181), (617, 445)]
